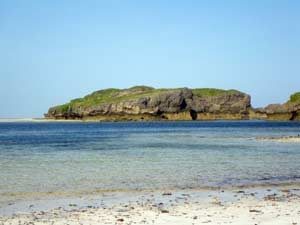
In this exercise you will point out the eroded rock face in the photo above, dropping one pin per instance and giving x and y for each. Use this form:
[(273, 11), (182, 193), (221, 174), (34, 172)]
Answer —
[(175, 104), (286, 111), (227, 103)]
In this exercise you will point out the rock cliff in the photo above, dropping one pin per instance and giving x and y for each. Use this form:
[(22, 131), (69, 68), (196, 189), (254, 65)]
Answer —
[(147, 103)]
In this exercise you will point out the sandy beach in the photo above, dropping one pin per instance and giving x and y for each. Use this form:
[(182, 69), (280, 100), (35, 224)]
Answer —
[(264, 205)]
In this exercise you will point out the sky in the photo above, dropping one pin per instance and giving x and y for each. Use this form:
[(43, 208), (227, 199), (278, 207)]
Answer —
[(54, 51)]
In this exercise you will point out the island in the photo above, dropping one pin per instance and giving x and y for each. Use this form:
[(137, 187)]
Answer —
[(143, 103)]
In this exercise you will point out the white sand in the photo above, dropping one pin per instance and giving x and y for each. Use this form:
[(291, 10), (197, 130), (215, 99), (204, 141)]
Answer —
[(179, 208), (290, 139)]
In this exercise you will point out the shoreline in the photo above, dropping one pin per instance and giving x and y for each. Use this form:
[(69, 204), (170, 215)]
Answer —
[(237, 206), (13, 120), (28, 196)]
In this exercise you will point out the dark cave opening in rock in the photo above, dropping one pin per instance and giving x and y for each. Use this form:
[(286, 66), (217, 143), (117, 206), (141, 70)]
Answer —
[(294, 115), (183, 104), (193, 114)]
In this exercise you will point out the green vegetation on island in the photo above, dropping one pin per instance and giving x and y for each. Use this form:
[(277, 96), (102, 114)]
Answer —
[(295, 98)]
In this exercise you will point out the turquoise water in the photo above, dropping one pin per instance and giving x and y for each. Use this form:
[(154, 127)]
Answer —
[(86, 157)]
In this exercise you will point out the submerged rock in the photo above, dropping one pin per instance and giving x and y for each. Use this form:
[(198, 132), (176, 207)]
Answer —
[(281, 139)]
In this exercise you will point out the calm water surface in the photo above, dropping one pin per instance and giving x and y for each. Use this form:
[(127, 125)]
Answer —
[(56, 157)]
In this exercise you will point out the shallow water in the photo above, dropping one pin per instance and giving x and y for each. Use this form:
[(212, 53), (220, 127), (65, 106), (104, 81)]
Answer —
[(85, 157)]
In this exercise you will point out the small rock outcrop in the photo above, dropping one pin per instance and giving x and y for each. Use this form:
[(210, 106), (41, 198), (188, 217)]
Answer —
[(147, 103), (287, 111)]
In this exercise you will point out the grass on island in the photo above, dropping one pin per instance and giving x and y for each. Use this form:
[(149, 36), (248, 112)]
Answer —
[(113, 95), (295, 98), (211, 92)]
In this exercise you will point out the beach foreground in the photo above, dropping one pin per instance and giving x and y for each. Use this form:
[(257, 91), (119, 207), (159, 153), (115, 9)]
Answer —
[(240, 206), (225, 172)]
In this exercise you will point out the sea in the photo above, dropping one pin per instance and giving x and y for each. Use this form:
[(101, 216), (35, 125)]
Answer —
[(86, 157)]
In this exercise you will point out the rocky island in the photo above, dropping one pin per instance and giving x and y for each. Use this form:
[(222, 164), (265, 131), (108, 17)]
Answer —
[(147, 103)]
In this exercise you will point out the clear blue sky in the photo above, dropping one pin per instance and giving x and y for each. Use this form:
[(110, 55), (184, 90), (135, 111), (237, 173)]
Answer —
[(53, 51)]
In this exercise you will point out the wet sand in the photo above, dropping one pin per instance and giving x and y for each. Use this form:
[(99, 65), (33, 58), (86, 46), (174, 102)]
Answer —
[(264, 205)]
